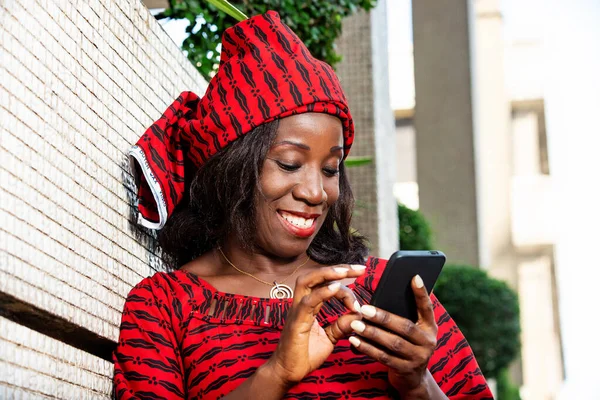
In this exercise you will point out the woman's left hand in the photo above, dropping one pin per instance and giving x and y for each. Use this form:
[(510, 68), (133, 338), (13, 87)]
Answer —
[(405, 347)]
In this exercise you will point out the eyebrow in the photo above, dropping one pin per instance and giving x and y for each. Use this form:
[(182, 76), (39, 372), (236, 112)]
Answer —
[(305, 147)]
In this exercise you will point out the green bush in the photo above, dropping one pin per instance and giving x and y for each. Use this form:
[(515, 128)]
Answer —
[(487, 312), (505, 388), (317, 22), (415, 233)]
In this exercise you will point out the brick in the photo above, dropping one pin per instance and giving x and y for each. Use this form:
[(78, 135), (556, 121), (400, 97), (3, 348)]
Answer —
[(79, 83), (35, 366)]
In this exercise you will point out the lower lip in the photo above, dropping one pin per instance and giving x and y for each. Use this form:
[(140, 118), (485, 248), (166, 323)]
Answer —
[(297, 231)]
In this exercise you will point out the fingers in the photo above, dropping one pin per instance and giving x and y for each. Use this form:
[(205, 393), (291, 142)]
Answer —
[(424, 306), (396, 324), (341, 327), (313, 302), (385, 339), (315, 288), (307, 282), (390, 349), (346, 296), (378, 354), (324, 274)]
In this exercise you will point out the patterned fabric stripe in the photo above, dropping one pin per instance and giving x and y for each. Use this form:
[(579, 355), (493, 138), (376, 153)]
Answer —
[(147, 361), (220, 355)]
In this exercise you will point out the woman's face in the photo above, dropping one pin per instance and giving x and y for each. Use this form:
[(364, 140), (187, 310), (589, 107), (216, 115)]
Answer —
[(299, 182)]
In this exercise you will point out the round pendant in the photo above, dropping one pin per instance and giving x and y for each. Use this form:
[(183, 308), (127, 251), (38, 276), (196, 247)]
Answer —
[(281, 291)]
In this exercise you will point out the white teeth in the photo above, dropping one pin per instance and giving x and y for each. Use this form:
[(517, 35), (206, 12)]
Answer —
[(297, 221)]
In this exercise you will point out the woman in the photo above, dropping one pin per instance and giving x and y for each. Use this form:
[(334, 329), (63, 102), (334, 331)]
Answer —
[(249, 188)]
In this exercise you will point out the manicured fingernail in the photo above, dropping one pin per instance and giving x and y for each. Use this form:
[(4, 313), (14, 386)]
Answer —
[(357, 267), (358, 326), (354, 341), (368, 310), (340, 270), (335, 286), (356, 306), (418, 281)]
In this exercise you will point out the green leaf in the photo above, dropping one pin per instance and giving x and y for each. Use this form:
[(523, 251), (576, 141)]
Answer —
[(357, 161), (318, 23), (229, 9)]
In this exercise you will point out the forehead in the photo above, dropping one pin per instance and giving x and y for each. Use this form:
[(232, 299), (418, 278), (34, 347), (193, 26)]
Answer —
[(311, 128)]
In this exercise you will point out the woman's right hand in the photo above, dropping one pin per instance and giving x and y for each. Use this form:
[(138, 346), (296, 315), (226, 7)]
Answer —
[(304, 345)]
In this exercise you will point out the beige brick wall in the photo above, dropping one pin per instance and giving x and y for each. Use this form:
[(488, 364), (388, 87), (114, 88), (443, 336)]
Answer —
[(34, 365), (79, 83), (364, 76), (355, 75)]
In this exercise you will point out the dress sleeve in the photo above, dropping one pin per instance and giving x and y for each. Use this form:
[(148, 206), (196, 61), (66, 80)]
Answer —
[(453, 364), (147, 360)]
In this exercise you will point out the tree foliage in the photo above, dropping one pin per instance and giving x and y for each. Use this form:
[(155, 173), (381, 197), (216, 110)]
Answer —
[(318, 23), (415, 232), (485, 309)]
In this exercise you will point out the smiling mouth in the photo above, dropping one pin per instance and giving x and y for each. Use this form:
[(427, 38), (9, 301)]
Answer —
[(297, 221)]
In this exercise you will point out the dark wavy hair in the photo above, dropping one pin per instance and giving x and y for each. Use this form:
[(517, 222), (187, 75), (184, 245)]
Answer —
[(222, 198)]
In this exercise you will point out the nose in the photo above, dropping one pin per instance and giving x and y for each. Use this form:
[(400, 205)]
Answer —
[(310, 188)]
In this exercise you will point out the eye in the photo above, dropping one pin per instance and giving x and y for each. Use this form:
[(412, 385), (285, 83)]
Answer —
[(287, 167), (331, 171)]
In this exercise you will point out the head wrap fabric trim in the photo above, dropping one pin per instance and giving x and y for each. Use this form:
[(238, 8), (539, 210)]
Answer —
[(265, 73), (136, 153)]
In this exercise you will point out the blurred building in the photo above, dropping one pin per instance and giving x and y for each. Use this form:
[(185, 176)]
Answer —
[(472, 153)]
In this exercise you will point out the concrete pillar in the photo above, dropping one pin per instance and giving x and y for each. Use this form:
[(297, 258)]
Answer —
[(364, 76), (463, 137), (493, 145), (444, 125), (541, 355)]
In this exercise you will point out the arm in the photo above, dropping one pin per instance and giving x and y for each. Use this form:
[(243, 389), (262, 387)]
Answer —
[(147, 361), (304, 345), (453, 364), (429, 359), (456, 373)]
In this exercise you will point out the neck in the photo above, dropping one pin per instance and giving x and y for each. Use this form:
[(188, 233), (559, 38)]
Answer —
[(258, 260)]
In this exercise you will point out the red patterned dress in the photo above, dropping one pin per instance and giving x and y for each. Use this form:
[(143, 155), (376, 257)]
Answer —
[(182, 338)]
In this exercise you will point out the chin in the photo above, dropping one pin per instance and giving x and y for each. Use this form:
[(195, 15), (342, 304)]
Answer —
[(290, 249), (284, 245)]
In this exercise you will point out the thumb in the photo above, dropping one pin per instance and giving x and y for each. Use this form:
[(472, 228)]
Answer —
[(340, 328)]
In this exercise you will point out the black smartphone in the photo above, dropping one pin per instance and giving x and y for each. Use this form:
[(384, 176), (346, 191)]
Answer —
[(394, 292)]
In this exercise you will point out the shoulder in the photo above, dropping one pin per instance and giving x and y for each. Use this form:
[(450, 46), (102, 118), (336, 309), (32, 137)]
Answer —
[(157, 285), (453, 364), (167, 288), (167, 299)]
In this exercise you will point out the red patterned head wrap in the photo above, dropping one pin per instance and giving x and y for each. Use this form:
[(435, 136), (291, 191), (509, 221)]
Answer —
[(265, 73)]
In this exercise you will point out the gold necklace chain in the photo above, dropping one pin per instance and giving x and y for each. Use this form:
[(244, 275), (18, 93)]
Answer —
[(258, 279)]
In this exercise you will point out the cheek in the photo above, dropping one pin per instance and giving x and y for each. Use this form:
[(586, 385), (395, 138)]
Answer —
[(333, 191), (272, 183)]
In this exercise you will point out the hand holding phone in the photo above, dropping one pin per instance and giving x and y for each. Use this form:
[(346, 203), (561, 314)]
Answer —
[(394, 292), (385, 335)]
